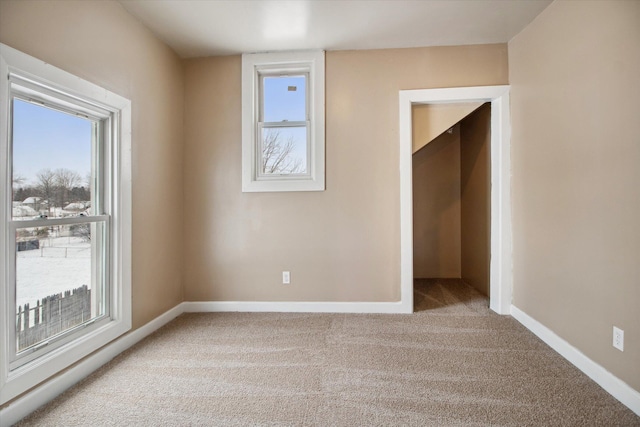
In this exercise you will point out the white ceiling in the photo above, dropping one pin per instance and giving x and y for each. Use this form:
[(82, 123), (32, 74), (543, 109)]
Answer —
[(195, 28)]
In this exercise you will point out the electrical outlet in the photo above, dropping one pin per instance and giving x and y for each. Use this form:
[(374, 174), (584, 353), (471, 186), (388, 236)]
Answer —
[(286, 277), (618, 338)]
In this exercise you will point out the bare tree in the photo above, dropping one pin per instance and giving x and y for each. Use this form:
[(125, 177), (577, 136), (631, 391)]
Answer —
[(277, 155), (46, 185), (18, 180), (81, 230), (87, 181), (65, 180)]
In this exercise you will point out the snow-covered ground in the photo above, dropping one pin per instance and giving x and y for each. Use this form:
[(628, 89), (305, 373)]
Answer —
[(61, 264)]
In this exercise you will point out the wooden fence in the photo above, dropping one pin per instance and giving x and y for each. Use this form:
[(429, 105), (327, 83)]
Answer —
[(52, 315)]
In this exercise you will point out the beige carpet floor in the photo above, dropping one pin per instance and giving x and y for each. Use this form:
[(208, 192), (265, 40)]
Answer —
[(453, 362)]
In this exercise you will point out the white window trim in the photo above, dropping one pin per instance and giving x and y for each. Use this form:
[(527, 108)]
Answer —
[(313, 63), (15, 382)]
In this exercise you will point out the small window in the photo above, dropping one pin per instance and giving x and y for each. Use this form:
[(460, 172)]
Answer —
[(283, 122), (65, 215)]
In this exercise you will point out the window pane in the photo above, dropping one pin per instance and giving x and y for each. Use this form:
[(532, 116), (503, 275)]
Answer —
[(59, 280), (284, 151), (51, 162), (284, 99)]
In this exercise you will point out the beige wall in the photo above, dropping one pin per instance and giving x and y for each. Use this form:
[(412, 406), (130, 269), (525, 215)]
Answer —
[(475, 194), (342, 244), (431, 120), (575, 104), (102, 43), (436, 207)]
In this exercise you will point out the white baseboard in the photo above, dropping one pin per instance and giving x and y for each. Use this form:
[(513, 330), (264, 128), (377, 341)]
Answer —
[(294, 307), (612, 384), (24, 405)]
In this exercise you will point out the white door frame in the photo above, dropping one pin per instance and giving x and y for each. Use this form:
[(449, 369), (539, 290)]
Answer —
[(500, 276)]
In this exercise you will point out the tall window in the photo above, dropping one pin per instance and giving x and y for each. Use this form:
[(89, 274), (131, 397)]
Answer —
[(64, 220), (283, 122), (59, 220)]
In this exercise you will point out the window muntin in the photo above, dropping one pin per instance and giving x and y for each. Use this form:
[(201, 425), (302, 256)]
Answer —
[(283, 121)]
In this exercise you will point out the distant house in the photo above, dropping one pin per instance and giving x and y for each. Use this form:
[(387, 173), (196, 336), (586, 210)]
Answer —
[(22, 211), (75, 207), (36, 203), (32, 201)]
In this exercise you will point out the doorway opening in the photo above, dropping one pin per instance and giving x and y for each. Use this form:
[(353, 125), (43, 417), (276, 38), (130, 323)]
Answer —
[(499, 287), (451, 204)]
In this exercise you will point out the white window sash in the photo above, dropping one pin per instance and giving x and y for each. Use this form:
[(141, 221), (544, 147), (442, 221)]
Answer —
[(255, 68)]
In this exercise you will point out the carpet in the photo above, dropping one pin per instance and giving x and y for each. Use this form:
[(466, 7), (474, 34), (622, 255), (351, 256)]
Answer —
[(452, 362)]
